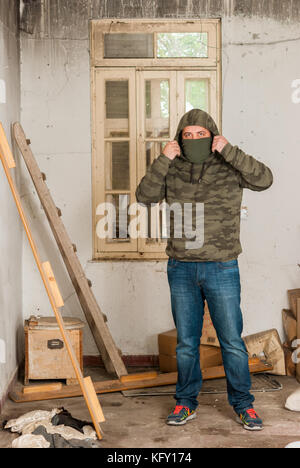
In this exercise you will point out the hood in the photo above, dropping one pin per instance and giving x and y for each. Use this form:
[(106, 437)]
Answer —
[(195, 117)]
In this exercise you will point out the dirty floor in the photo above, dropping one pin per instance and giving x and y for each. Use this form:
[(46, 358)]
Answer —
[(133, 422)]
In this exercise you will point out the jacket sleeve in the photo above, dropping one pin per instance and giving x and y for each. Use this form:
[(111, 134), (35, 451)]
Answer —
[(254, 175), (152, 188)]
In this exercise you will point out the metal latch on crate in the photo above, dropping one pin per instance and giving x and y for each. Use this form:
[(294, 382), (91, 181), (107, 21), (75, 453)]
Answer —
[(55, 344)]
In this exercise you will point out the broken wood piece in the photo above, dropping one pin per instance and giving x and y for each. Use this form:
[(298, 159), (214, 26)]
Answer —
[(74, 247), (54, 387), (53, 285), (94, 399), (135, 377), (28, 141), (44, 176)]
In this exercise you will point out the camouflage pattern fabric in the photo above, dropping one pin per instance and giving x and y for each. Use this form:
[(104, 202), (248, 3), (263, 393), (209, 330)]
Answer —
[(218, 183)]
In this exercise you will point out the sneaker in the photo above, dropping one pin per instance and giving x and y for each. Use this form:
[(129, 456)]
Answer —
[(250, 420), (180, 416)]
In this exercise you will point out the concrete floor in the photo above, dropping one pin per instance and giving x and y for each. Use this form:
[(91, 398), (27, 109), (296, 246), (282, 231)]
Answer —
[(133, 422)]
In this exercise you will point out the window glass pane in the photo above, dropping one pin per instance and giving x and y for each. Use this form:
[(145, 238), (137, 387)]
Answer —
[(117, 217), (153, 150), (172, 45), (117, 109), (196, 95), (128, 46), (117, 165), (157, 112), (156, 225)]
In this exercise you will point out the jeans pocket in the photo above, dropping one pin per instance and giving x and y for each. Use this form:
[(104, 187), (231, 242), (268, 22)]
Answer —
[(231, 265)]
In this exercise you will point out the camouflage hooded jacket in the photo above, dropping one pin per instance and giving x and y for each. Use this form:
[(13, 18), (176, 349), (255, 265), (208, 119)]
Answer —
[(218, 184)]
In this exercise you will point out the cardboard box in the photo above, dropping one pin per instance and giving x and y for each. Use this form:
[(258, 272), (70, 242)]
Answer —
[(168, 363), (293, 295), (289, 325), (167, 341), (289, 363), (267, 344), (210, 356)]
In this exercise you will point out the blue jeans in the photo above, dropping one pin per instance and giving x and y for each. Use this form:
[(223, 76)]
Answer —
[(191, 283)]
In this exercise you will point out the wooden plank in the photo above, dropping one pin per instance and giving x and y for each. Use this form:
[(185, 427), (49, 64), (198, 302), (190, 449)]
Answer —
[(55, 387), (137, 377), (256, 366), (93, 396), (5, 149), (67, 341), (96, 320), (53, 285)]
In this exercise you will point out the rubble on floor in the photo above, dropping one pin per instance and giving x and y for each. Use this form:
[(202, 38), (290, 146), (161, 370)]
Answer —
[(52, 429)]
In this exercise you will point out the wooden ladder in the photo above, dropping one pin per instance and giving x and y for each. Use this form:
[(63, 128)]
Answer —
[(96, 319), (56, 302)]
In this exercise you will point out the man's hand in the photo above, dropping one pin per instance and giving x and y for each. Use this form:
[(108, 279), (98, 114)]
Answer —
[(219, 144), (172, 149)]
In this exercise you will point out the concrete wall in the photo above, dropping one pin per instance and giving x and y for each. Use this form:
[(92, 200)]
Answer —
[(260, 63), (11, 316)]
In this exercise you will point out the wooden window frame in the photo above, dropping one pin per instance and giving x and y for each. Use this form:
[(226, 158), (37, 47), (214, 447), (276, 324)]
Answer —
[(206, 67)]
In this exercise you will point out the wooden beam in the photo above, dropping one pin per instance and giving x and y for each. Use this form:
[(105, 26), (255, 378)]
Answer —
[(53, 285), (54, 387), (95, 318), (255, 365)]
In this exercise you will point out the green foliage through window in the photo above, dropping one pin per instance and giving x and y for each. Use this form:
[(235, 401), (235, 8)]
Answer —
[(175, 45)]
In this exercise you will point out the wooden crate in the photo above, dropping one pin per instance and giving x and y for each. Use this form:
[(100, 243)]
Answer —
[(46, 357)]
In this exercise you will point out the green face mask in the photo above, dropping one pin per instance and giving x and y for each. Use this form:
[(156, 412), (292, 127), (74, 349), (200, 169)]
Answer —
[(197, 151)]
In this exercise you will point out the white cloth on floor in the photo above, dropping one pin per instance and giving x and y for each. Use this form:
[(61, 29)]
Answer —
[(66, 432), (29, 422), (17, 425), (30, 441), (293, 401)]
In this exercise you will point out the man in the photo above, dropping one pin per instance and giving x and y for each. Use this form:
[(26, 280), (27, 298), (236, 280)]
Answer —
[(201, 166)]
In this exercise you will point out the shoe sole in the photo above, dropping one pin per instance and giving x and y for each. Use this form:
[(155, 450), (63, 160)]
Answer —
[(248, 428), (182, 423)]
